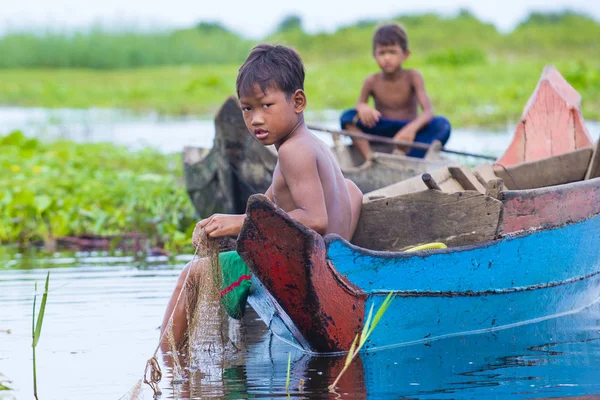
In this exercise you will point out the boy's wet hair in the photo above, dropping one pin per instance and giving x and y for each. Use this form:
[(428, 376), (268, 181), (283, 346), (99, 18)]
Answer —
[(275, 67), (390, 34)]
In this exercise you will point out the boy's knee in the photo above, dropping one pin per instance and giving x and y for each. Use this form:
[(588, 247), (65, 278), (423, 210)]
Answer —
[(442, 127), (348, 118), (193, 267)]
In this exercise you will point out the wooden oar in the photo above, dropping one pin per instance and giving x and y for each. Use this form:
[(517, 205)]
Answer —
[(381, 139)]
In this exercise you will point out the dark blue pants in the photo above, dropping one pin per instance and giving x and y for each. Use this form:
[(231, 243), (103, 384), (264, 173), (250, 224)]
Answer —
[(437, 129)]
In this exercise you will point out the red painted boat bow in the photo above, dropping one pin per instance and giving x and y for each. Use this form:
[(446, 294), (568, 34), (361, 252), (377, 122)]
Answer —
[(290, 261)]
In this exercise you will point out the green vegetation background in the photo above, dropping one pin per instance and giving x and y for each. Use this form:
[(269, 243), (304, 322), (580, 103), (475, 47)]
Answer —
[(475, 74)]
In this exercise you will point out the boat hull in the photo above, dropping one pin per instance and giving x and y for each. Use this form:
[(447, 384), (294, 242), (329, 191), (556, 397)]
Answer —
[(518, 279)]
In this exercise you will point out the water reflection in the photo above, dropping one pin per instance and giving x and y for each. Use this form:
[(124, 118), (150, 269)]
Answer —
[(101, 327), (547, 359)]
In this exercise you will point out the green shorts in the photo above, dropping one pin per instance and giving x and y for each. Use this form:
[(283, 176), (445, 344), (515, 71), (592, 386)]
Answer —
[(236, 283)]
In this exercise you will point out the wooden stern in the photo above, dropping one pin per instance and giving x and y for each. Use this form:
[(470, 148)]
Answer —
[(551, 120)]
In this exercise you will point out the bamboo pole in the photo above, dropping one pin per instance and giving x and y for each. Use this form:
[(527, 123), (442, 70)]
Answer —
[(381, 139)]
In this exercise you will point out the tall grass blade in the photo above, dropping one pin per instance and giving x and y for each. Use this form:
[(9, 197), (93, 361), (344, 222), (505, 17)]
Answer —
[(36, 328), (287, 379), (40, 319), (33, 314), (351, 352), (365, 330), (382, 309)]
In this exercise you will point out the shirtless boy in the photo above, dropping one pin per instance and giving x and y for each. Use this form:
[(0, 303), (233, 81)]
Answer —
[(307, 182), (396, 93)]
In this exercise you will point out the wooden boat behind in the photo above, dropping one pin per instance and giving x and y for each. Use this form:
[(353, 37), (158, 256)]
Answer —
[(514, 255), (238, 166)]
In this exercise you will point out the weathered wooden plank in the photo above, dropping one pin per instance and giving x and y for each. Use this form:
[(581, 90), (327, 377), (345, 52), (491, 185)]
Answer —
[(549, 206), (484, 173), (466, 179), (554, 170), (515, 152), (427, 216), (494, 188), (441, 176), (582, 136), (594, 168), (551, 122)]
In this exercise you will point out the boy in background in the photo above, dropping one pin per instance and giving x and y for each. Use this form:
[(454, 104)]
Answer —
[(397, 93)]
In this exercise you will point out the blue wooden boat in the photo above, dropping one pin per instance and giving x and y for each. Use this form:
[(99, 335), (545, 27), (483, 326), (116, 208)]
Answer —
[(315, 292), (513, 256)]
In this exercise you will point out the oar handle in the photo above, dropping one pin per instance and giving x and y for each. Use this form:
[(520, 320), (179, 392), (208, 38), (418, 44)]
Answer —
[(381, 139)]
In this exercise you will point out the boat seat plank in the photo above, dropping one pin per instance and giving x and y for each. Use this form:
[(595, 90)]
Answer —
[(412, 219), (466, 179), (594, 168), (484, 173), (555, 170)]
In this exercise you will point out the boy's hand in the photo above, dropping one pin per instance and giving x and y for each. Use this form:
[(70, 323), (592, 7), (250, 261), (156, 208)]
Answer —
[(368, 116), (406, 134), (218, 225)]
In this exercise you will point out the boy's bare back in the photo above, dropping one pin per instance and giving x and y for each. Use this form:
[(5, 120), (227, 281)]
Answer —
[(307, 175)]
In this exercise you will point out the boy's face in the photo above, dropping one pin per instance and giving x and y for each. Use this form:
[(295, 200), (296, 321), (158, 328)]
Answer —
[(390, 57), (271, 116)]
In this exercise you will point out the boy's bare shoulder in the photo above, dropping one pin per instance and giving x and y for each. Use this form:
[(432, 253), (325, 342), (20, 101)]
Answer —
[(414, 75), (300, 148), (372, 79)]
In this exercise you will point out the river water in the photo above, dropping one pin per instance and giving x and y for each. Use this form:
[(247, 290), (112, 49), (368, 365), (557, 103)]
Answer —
[(170, 134), (104, 311)]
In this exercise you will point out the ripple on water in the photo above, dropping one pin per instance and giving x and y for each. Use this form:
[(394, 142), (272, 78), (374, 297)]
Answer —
[(102, 324)]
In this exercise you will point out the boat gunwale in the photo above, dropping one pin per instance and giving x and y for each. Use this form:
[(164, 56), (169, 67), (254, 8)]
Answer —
[(504, 196)]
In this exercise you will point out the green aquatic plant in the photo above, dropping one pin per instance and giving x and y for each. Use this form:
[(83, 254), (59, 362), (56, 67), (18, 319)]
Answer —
[(368, 328), (60, 188), (3, 386), (36, 328)]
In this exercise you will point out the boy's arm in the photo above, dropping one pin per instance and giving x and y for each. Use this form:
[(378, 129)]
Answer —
[(409, 132), (218, 225), (224, 224), (301, 175), (269, 193), (367, 115)]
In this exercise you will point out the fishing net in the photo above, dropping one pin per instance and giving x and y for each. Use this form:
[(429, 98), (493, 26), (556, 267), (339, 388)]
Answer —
[(207, 337)]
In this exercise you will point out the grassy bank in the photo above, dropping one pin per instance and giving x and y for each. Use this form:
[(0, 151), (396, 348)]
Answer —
[(59, 189), (475, 74), (485, 92)]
